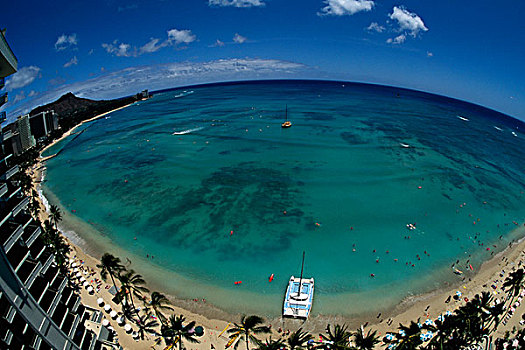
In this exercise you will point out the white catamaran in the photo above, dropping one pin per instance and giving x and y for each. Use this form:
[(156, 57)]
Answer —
[(299, 296)]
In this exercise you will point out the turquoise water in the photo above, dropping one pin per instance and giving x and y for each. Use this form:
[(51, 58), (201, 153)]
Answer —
[(340, 173)]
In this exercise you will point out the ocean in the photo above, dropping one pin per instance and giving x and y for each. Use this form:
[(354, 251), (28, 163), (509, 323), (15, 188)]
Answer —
[(383, 188)]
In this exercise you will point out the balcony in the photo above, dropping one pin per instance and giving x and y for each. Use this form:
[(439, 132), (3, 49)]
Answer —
[(20, 206), (8, 174), (3, 98), (3, 189), (33, 232), (2, 82), (11, 233), (8, 61), (48, 263), (3, 116)]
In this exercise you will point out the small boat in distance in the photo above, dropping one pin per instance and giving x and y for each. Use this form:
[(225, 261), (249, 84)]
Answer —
[(404, 145), (287, 123), (463, 118), (514, 134), (299, 296)]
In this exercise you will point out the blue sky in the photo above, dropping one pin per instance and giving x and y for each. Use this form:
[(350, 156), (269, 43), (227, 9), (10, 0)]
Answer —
[(470, 50)]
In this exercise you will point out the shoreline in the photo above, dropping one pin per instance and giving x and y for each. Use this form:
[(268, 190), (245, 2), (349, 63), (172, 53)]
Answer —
[(408, 309), (70, 131)]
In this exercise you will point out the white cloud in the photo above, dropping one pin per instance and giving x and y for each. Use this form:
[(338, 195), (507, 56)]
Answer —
[(119, 49), (151, 46), (236, 3), (408, 21), (64, 41), (175, 37), (19, 97), (181, 36), (345, 7), (217, 43), (32, 93), (239, 39), (162, 76), (397, 40), (375, 27), (71, 62), (24, 77)]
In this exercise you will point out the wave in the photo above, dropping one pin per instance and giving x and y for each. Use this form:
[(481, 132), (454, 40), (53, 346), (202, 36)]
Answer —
[(189, 131), (184, 93)]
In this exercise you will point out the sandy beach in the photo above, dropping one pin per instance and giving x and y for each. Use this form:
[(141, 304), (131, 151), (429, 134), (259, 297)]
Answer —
[(429, 305)]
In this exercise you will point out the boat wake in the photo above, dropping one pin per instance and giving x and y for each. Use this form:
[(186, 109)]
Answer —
[(184, 93), (500, 129), (189, 131)]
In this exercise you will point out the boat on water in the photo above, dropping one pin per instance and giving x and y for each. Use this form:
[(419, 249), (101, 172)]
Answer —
[(463, 118), (299, 296), (287, 123), (404, 145), (514, 134)]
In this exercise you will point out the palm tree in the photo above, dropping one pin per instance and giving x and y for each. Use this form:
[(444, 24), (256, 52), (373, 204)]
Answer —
[(412, 339), (270, 344), (297, 339), (158, 303), (146, 324), (132, 284), (514, 283), (55, 214), (248, 327), (365, 342), (339, 337), (175, 330), (110, 265)]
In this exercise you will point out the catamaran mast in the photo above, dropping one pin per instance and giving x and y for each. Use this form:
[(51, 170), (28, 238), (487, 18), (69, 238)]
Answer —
[(301, 278), (286, 113)]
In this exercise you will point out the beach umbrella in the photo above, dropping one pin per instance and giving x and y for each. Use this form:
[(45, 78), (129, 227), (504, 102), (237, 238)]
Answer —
[(113, 314), (105, 322), (127, 327), (448, 313), (402, 333), (74, 264), (89, 289), (85, 284), (389, 336), (121, 320), (82, 279), (199, 331), (71, 260), (429, 322), (135, 335), (512, 309), (419, 325), (458, 293), (78, 275), (100, 301), (76, 269), (107, 308), (423, 337), (441, 318)]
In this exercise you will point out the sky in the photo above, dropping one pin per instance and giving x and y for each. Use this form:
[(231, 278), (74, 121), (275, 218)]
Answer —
[(469, 50)]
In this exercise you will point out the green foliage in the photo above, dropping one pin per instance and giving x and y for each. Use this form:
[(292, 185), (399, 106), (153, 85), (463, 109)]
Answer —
[(248, 327)]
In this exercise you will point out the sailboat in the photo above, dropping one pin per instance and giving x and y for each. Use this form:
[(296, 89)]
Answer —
[(299, 296), (287, 123)]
